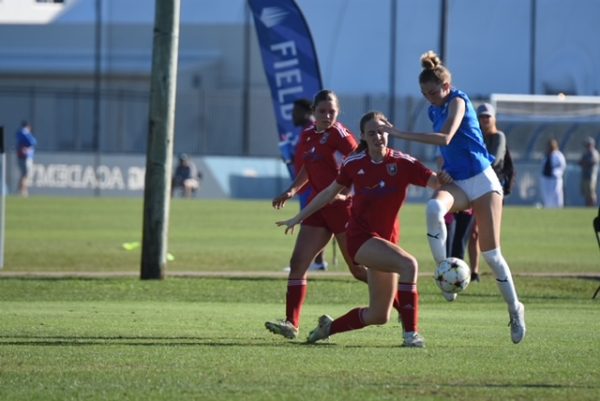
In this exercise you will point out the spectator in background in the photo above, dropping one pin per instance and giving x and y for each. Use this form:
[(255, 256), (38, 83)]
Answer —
[(302, 116), (495, 140), (589, 171), (496, 144), (551, 182), (186, 177), (26, 143)]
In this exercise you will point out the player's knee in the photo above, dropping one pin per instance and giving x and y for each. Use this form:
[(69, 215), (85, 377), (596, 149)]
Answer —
[(435, 209), (409, 269), (412, 265), (359, 272)]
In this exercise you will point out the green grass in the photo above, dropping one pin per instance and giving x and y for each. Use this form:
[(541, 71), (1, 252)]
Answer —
[(126, 339), (203, 338), (71, 234)]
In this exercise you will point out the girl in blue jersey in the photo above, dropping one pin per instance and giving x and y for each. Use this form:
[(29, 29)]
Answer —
[(456, 130)]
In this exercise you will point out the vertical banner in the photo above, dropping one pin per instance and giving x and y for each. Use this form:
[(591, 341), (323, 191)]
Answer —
[(2, 195), (290, 64)]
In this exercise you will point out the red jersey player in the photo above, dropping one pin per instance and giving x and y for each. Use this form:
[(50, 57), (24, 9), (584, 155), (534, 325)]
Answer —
[(380, 177), (302, 116), (319, 148)]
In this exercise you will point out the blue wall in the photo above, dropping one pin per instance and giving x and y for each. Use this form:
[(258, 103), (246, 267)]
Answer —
[(81, 174)]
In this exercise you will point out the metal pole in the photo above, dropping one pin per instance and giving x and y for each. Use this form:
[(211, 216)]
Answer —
[(163, 84), (392, 84), (444, 31), (532, 46), (392, 69), (97, 88)]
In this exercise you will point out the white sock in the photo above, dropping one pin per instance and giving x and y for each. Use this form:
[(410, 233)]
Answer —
[(504, 279), (436, 229)]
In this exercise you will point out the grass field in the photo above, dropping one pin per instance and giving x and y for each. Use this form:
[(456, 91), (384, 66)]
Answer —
[(72, 234), (203, 338)]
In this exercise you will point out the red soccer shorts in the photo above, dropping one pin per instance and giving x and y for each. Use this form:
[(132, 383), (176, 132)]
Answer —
[(333, 217)]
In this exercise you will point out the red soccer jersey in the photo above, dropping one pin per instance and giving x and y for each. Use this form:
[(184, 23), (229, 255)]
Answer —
[(380, 190), (318, 152)]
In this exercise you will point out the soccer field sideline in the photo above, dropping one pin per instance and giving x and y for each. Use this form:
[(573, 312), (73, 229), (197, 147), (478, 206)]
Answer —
[(255, 274)]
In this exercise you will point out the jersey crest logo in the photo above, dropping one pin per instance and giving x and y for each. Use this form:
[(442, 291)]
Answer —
[(361, 172), (324, 138), (392, 169)]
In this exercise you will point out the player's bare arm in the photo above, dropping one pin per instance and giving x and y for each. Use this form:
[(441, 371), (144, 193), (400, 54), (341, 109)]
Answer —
[(299, 182), (456, 112), (322, 199)]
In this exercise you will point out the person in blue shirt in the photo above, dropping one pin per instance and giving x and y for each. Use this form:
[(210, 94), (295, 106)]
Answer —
[(26, 143), (466, 159)]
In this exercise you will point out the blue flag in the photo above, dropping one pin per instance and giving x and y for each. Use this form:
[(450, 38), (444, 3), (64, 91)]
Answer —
[(290, 64)]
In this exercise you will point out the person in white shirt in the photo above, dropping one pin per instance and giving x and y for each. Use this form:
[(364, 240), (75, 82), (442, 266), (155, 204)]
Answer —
[(551, 181)]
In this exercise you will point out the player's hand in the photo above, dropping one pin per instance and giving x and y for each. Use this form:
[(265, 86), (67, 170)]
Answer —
[(289, 224), (385, 128), (279, 201), (444, 178), (340, 197), (386, 123)]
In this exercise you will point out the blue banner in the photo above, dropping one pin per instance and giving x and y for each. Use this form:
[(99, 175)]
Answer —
[(290, 64)]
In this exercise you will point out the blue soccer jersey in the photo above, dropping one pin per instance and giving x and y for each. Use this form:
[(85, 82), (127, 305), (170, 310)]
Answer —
[(466, 155)]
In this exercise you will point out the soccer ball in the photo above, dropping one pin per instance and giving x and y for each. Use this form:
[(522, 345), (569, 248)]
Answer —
[(453, 275)]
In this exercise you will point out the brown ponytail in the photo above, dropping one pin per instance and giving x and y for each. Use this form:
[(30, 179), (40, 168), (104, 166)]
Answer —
[(433, 69)]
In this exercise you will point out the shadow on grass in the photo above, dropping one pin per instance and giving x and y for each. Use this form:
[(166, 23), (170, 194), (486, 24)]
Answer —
[(32, 340)]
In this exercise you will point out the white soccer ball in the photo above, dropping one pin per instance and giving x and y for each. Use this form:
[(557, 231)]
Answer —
[(453, 275)]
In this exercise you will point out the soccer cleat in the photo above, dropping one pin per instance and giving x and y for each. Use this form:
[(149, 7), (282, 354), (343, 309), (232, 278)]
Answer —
[(321, 332), (517, 324), (412, 339), (313, 267), (283, 328), (449, 296), (318, 266), (475, 277)]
